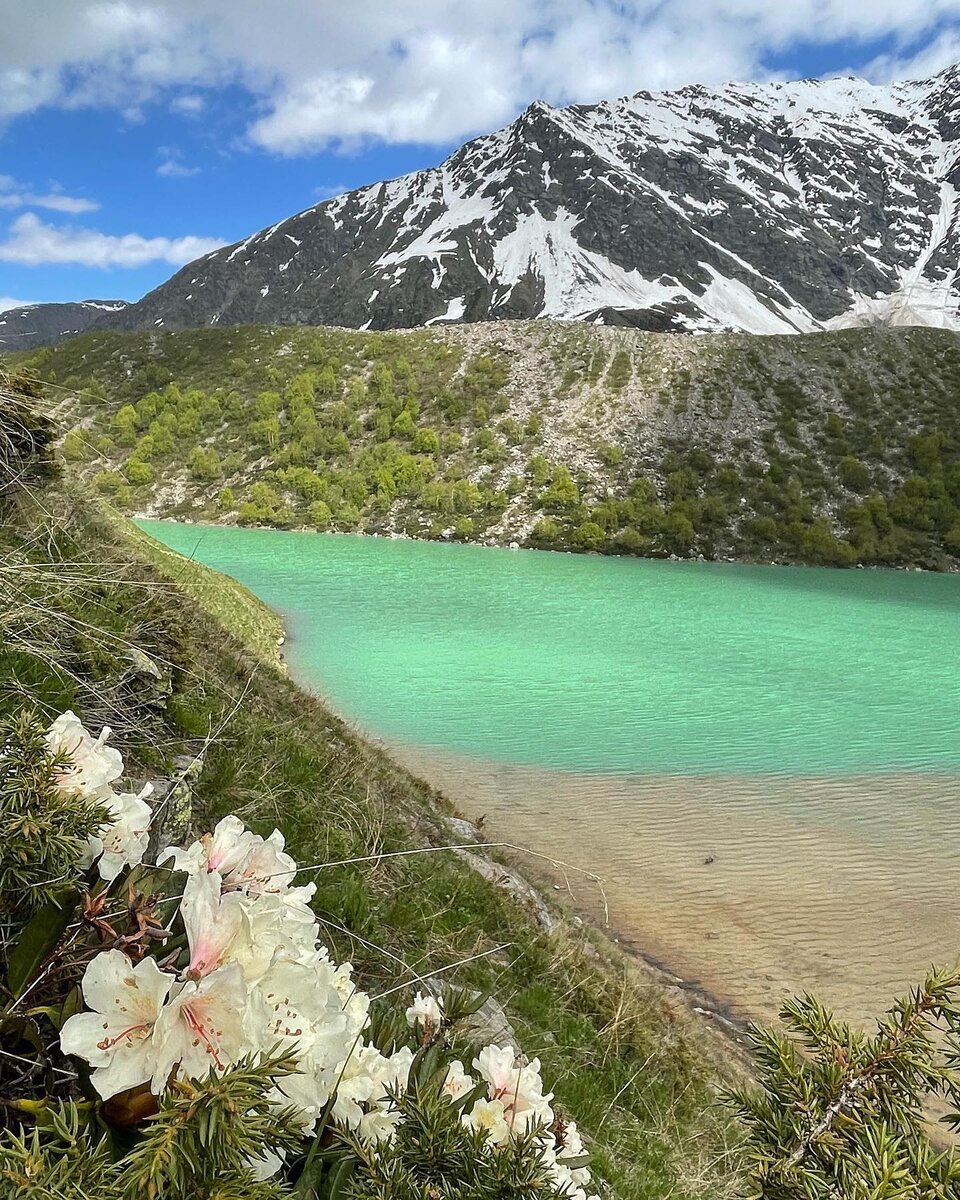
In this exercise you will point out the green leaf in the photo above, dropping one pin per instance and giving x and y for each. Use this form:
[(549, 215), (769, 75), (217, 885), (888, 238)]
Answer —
[(38, 939)]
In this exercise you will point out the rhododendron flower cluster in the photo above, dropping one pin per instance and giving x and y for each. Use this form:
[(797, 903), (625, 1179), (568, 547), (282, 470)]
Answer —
[(90, 768), (515, 1105), (254, 979)]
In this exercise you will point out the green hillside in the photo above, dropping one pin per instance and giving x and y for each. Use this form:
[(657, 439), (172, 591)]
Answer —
[(836, 448)]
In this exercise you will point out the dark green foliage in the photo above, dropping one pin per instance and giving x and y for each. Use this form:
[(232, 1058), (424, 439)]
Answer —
[(562, 494), (589, 536), (841, 1115), (854, 474), (207, 1132), (63, 1160), (197, 1147)]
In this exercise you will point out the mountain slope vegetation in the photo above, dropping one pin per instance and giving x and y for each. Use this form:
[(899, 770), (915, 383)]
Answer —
[(837, 449)]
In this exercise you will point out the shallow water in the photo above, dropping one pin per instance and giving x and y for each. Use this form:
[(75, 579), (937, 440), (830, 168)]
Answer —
[(636, 718)]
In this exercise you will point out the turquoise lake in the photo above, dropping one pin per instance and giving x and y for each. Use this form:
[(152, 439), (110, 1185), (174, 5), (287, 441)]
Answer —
[(796, 727), (584, 663)]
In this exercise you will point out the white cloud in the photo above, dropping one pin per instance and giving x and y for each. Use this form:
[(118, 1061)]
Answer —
[(190, 104), (942, 51), (16, 195), (328, 191), (171, 165), (30, 242), (424, 70), (172, 169)]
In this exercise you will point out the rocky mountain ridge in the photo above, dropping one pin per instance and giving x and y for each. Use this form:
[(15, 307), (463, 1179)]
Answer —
[(774, 208), (45, 324)]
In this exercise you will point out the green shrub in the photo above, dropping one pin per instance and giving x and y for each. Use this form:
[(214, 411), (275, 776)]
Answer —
[(589, 536), (203, 464), (562, 494), (630, 541), (842, 1113), (546, 533), (426, 441), (319, 514), (854, 474), (138, 472)]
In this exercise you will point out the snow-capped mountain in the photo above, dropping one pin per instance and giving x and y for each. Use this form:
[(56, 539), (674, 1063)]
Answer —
[(44, 324), (766, 208)]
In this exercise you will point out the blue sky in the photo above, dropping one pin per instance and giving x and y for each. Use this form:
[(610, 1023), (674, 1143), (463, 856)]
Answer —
[(137, 135)]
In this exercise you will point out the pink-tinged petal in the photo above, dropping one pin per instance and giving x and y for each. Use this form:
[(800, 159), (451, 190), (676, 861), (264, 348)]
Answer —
[(213, 921)]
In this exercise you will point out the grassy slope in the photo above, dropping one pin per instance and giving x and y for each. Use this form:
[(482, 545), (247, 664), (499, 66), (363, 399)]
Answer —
[(830, 448), (246, 617), (632, 1069)]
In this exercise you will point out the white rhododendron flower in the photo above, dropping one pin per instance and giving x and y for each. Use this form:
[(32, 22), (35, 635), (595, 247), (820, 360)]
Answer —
[(458, 1082), (203, 1027), (271, 931), (389, 1075), (426, 1011), (518, 1086), (93, 765), (244, 860), (368, 1078), (266, 868), (221, 851), (116, 1038), (489, 1116), (304, 1014), (378, 1125), (122, 842), (395, 1070)]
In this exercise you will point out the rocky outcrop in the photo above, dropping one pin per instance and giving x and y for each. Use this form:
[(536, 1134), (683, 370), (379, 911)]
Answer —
[(45, 324)]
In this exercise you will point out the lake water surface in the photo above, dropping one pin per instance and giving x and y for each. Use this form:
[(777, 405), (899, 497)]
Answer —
[(795, 727)]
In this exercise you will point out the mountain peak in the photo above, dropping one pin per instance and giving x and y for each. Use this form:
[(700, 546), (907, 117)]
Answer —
[(770, 208)]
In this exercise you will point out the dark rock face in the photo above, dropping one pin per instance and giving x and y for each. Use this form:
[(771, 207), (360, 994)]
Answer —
[(770, 209), (44, 324)]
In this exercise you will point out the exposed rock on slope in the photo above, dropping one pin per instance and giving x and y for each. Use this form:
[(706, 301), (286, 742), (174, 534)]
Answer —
[(44, 324)]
